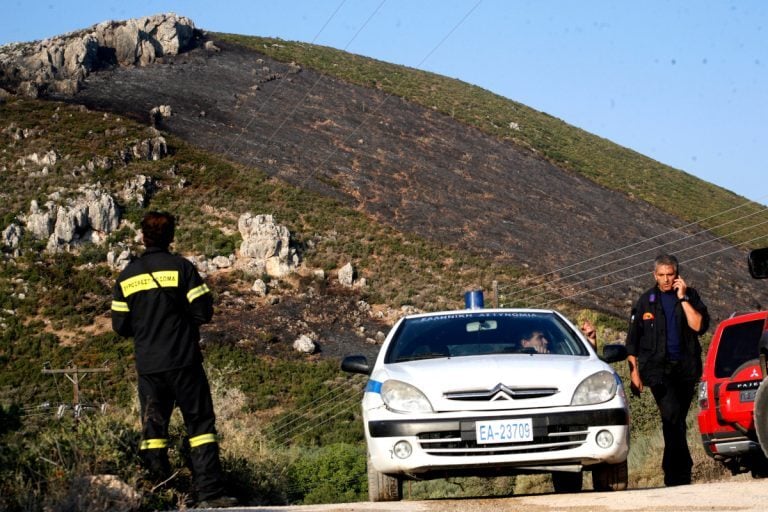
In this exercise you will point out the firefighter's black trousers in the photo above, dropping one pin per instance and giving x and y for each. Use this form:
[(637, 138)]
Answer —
[(188, 388)]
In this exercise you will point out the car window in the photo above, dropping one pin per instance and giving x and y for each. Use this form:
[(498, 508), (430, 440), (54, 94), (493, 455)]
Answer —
[(470, 334), (738, 344)]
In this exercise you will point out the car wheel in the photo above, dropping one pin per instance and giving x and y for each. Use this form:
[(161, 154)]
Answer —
[(566, 481), (383, 487), (761, 415), (610, 477)]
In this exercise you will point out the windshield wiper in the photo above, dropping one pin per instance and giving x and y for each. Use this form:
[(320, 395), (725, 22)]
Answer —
[(418, 357)]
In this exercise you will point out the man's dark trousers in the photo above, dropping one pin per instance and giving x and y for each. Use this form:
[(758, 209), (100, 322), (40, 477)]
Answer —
[(673, 397)]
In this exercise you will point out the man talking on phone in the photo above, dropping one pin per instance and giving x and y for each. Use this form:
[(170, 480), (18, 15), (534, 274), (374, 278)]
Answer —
[(665, 356)]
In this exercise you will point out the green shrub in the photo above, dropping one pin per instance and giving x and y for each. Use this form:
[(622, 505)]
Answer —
[(54, 460), (259, 479), (334, 473), (10, 421)]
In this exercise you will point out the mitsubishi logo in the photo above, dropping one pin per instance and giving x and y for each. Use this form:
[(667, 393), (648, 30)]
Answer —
[(754, 373)]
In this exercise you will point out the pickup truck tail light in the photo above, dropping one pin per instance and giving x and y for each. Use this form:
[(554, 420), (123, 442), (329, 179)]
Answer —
[(703, 396)]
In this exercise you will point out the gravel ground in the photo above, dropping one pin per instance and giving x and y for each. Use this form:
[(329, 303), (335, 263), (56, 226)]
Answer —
[(739, 494)]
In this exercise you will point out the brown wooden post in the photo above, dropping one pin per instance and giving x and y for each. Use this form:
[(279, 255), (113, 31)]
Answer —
[(75, 375)]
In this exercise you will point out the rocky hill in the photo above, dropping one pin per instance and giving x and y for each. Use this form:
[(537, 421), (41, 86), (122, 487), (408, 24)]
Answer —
[(412, 169)]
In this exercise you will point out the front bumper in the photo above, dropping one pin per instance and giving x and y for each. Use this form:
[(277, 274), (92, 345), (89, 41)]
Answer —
[(561, 440)]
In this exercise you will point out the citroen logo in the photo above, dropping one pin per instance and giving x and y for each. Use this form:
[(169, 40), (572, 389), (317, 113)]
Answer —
[(501, 392)]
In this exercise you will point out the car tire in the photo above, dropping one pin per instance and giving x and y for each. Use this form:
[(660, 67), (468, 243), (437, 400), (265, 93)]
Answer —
[(383, 487), (567, 481), (610, 477), (761, 415), (758, 466)]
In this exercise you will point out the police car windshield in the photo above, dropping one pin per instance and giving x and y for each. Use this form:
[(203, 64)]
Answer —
[(483, 333)]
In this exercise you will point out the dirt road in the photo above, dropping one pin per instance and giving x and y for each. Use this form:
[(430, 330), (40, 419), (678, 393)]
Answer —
[(736, 495)]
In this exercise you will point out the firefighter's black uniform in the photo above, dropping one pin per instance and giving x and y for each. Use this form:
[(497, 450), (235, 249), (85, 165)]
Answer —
[(161, 300)]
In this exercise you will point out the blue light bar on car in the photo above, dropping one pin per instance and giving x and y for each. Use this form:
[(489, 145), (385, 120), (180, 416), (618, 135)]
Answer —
[(473, 299)]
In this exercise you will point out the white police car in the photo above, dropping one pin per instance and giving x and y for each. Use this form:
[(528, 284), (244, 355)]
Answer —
[(492, 392)]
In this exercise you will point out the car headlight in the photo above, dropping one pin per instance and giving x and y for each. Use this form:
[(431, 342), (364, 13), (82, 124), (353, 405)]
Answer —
[(595, 389), (402, 397)]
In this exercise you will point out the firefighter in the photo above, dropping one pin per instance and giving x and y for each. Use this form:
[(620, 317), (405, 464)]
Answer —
[(160, 300)]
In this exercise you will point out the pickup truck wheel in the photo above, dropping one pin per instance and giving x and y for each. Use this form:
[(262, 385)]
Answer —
[(383, 487), (610, 477), (566, 481), (761, 415)]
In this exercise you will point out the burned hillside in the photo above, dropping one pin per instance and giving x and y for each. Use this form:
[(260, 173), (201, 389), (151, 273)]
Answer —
[(421, 172)]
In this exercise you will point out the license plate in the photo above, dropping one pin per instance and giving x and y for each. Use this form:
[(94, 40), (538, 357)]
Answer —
[(748, 395), (516, 430)]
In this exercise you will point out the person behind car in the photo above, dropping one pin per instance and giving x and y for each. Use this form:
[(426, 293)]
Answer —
[(588, 330), (665, 355), (537, 341)]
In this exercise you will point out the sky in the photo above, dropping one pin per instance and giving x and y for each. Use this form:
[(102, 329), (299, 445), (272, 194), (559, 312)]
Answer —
[(685, 83)]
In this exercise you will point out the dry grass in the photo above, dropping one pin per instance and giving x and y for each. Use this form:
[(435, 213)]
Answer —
[(241, 433), (645, 459)]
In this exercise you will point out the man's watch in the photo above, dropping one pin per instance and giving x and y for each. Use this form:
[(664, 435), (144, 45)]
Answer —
[(684, 298)]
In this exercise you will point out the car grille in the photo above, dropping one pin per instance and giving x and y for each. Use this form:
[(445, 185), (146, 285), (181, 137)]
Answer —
[(500, 392), (554, 438)]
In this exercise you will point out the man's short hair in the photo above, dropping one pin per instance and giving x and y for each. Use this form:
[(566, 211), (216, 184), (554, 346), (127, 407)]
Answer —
[(666, 259), (158, 229)]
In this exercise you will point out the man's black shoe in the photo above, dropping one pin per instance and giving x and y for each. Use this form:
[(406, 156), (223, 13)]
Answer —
[(674, 482)]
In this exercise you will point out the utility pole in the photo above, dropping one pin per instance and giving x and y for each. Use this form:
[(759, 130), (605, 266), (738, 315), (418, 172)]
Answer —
[(75, 375)]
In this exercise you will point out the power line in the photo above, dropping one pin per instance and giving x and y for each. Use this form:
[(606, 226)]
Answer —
[(641, 275), (389, 95), (644, 262), (334, 150), (635, 244), (340, 408), (309, 411), (280, 84)]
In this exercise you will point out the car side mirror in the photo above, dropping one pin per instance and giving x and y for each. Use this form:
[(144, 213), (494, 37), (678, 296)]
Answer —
[(356, 364), (758, 263), (614, 352)]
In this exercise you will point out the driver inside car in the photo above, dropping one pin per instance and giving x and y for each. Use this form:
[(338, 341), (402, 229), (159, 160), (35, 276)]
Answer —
[(537, 341)]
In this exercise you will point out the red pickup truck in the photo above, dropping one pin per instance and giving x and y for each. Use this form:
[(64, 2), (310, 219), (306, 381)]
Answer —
[(733, 406)]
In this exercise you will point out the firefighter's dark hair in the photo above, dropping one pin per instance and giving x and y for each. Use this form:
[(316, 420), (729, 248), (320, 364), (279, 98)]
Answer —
[(158, 229)]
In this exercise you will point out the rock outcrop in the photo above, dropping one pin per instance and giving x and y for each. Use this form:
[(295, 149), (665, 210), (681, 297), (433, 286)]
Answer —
[(71, 222), (59, 65), (266, 246)]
